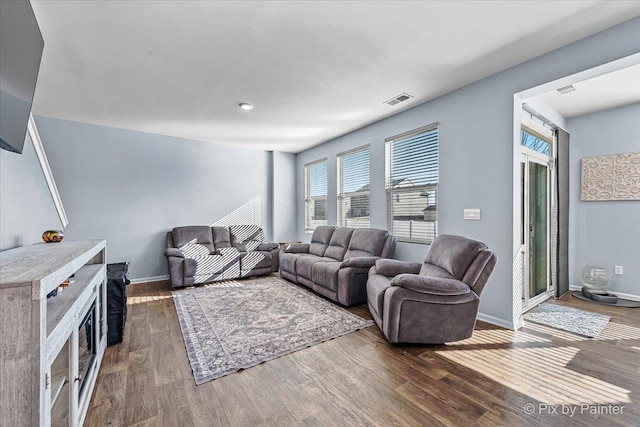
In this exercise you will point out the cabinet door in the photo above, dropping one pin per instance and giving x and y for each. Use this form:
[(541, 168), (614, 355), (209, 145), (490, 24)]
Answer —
[(60, 387)]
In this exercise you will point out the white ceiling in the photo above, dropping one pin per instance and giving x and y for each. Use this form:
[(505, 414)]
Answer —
[(314, 70), (615, 89)]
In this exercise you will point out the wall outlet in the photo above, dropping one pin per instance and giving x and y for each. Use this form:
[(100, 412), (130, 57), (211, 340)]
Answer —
[(472, 214), (618, 269)]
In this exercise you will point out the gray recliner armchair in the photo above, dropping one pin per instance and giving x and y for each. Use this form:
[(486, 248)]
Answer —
[(433, 302)]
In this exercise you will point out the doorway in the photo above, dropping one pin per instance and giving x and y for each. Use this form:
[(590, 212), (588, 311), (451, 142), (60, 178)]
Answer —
[(536, 153)]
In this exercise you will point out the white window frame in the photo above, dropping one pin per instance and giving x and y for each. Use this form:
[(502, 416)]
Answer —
[(393, 192), (343, 195), (309, 200)]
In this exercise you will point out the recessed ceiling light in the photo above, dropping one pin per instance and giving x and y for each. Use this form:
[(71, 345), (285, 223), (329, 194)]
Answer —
[(246, 106)]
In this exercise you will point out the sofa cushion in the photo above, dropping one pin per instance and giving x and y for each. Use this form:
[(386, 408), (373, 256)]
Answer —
[(325, 274), (339, 243), (203, 266), (195, 238), (304, 264), (320, 239), (221, 237), (454, 253), (246, 237), (366, 242), (255, 259)]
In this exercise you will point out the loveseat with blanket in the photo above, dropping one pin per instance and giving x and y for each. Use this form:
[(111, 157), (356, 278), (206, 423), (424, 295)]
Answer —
[(336, 262), (203, 254)]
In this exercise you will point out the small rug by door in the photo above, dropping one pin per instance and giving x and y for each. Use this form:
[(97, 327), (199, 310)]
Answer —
[(238, 324), (568, 319)]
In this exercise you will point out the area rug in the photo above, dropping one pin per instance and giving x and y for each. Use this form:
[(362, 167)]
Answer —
[(568, 319), (239, 324)]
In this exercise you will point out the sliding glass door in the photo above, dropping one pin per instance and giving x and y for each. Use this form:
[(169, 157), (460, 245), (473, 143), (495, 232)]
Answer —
[(535, 226)]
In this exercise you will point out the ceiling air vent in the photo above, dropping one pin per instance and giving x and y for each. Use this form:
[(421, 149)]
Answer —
[(398, 99), (566, 89)]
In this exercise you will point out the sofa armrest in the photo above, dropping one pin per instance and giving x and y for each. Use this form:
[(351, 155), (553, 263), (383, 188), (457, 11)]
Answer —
[(297, 248), (360, 261), (431, 285), (267, 246), (173, 252), (393, 267)]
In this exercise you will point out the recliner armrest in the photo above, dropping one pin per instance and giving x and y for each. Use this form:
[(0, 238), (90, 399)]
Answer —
[(267, 246), (297, 248), (361, 261), (173, 252), (431, 285), (393, 267)]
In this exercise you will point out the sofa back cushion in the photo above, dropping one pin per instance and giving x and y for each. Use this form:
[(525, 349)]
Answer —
[(454, 253), (339, 243), (221, 237), (193, 239), (366, 242), (320, 239), (246, 237)]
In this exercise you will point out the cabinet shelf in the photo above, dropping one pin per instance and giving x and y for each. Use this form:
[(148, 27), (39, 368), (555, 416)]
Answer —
[(59, 307)]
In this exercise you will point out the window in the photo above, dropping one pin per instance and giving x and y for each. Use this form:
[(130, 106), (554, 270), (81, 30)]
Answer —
[(315, 194), (353, 188), (412, 185), (535, 135)]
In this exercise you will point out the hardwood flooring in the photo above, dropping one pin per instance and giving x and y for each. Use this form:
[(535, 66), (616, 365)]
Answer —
[(536, 376)]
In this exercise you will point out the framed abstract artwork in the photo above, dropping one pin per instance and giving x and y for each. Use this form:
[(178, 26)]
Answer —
[(612, 177)]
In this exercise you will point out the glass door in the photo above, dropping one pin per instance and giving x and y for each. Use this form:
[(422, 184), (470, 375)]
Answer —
[(535, 227)]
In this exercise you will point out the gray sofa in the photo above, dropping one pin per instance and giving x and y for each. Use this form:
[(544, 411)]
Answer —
[(203, 254), (336, 262), (433, 302)]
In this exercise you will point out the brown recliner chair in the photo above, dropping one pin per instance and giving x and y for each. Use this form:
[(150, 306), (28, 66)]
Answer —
[(433, 302)]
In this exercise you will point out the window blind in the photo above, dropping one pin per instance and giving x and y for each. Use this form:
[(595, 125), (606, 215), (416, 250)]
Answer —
[(412, 185), (353, 188), (315, 177)]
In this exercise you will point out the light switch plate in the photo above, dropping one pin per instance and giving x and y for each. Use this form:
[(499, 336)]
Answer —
[(618, 269), (472, 214)]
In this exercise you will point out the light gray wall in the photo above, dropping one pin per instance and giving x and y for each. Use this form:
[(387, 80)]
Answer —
[(284, 201), (476, 153), (26, 206), (132, 187), (604, 233)]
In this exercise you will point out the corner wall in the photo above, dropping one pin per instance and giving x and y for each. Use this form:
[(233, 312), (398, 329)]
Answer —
[(476, 155), (604, 233)]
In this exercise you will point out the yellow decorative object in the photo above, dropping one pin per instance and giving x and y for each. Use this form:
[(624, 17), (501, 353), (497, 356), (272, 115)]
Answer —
[(53, 236)]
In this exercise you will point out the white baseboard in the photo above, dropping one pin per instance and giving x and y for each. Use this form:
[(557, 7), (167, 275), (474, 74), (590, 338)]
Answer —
[(622, 295), (495, 321), (150, 279)]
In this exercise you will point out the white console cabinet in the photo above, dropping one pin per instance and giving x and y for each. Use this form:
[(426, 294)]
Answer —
[(51, 348)]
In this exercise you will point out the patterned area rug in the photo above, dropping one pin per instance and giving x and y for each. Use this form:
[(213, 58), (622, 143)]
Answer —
[(234, 325), (568, 319)]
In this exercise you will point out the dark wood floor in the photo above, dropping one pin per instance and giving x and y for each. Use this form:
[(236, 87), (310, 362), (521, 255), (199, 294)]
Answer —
[(495, 378)]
